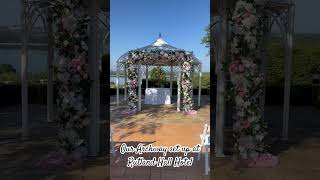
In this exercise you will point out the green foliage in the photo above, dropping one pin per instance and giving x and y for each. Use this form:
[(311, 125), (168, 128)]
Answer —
[(7, 73), (6, 68), (206, 39), (205, 81), (36, 77), (8, 76), (157, 74), (306, 62)]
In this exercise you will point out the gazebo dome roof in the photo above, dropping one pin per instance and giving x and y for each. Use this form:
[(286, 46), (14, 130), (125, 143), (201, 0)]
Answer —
[(159, 45), (159, 42)]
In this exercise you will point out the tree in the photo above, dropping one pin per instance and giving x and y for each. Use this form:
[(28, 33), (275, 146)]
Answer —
[(8, 76), (7, 73), (157, 74), (206, 39), (7, 68), (205, 81)]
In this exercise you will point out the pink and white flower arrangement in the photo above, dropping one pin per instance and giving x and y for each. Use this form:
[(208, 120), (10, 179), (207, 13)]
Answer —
[(187, 67), (247, 80), (71, 71)]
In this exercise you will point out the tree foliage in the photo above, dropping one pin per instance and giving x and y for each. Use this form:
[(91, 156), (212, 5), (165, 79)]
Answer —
[(157, 74), (306, 62), (8, 76), (7, 73), (7, 68), (205, 81), (206, 39)]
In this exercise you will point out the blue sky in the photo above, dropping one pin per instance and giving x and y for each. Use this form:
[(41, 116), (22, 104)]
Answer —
[(137, 23)]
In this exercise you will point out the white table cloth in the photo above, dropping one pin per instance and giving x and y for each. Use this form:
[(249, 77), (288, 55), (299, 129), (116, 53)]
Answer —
[(157, 96)]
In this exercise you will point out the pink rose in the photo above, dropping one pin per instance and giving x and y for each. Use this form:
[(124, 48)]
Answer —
[(241, 91), (75, 64), (184, 83), (233, 67), (247, 14), (245, 124), (240, 68)]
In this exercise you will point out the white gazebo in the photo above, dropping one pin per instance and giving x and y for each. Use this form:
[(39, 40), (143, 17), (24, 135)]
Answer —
[(279, 12), (31, 12), (159, 53)]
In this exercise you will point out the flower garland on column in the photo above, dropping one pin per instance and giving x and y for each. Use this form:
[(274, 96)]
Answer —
[(132, 82), (187, 84), (247, 81), (71, 68)]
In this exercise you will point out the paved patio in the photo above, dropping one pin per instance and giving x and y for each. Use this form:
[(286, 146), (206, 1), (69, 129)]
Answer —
[(159, 125), (18, 159)]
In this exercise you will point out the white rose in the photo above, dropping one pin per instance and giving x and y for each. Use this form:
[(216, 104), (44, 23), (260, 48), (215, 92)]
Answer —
[(252, 119), (65, 43), (247, 104), (257, 127), (239, 101)]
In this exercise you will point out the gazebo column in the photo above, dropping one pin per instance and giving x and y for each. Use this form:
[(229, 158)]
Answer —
[(94, 126), (117, 82), (50, 71), (192, 81), (200, 78), (147, 76), (179, 87), (139, 86), (24, 72), (288, 71), (171, 78), (263, 69), (221, 104), (125, 83)]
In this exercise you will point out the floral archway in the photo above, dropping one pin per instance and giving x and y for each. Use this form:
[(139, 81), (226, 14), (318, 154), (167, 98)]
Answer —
[(251, 24), (160, 53), (72, 72), (247, 80), (76, 73)]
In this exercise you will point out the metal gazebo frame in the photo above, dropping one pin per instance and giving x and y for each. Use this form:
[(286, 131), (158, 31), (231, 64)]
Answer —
[(31, 11), (159, 44), (280, 12)]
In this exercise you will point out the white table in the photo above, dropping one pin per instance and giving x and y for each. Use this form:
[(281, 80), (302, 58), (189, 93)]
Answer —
[(157, 96)]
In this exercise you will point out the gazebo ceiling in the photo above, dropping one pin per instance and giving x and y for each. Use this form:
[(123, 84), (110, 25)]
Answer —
[(159, 45)]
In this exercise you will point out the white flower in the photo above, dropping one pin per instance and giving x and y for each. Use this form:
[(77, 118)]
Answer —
[(256, 127), (250, 21), (259, 137), (63, 77), (84, 45), (246, 62), (251, 40), (239, 100), (252, 119), (236, 78), (240, 113), (246, 104), (65, 43)]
